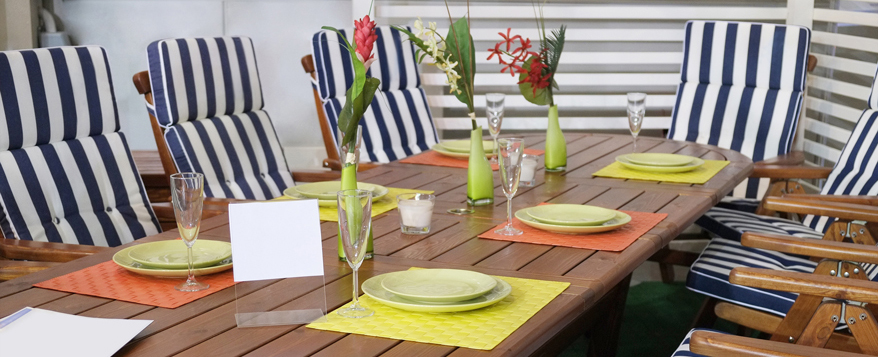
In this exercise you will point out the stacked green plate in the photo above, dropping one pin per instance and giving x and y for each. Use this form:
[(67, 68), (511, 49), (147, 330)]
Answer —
[(568, 224), (571, 215), (460, 148), (659, 163), (165, 258), (437, 290), (325, 192)]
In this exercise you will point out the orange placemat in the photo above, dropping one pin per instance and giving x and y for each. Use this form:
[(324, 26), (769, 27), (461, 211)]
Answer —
[(108, 280), (435, 159), (616, 240)]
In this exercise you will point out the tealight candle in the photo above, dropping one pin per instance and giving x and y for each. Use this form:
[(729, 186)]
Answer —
[(528, 170), (416, 212)]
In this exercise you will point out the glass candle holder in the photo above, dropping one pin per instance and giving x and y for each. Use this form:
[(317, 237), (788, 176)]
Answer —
[(528, 170), (415, 212)]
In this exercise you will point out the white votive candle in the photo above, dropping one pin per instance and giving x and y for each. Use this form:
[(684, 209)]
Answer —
[(416, 213), (528, 168)]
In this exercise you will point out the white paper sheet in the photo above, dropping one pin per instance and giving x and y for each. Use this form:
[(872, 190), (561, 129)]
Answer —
[(274, 240), (48, 333)]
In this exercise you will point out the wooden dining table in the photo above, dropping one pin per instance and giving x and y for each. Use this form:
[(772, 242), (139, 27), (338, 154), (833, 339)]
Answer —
[(591, 305)]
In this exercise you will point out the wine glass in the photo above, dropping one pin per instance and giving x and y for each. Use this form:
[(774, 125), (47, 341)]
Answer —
[(187, 194), (494, 108), (510, 156), (354, 222), (636, 109)]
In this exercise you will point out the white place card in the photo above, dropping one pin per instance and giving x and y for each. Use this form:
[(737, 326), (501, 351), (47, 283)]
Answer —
[(275, 240), (38, 332)]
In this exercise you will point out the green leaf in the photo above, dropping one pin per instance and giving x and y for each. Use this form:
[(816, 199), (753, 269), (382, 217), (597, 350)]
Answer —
[(354, 108), (459, 48), (542, 95), (359, 68), (555, 44)]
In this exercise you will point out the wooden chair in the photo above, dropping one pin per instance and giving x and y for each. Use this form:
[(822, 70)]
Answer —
[(263, 173), (398, 123)]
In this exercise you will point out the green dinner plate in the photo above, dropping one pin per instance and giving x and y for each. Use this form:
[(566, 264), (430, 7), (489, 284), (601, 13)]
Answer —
[(439, 149), (620, 220), (571, 215), (172, 254), (658, 159), (122, 259), (464, 145), (373, 288), (291, 193), (696, 163), (328, 190), (438, 285)]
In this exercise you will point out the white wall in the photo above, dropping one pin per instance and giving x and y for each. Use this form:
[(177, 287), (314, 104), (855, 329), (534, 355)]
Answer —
[(281, 32)]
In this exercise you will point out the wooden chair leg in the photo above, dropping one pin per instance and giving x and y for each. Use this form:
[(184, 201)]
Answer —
[(604, 341), (667, 271), (862, 325), (793, 325), (706, 316)]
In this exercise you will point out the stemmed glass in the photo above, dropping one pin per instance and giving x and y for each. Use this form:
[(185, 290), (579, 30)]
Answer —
[(354, 222), (494, 108), (187, 194), (636, 109), (511, 151)]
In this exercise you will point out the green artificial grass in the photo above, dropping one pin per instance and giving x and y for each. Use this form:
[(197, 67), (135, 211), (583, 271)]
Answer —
[(657, 317)]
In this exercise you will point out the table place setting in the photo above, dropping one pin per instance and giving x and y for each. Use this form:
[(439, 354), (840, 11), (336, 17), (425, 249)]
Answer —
[(576, 226), (454, 153), (384, 198), (662, 167), (445, 306)]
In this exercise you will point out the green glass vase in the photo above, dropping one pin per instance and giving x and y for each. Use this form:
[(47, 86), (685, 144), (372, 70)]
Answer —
[(556, 146), (350, 156), (479, 176)]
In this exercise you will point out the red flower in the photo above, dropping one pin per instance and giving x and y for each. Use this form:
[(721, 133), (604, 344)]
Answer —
[(508, 38), (496, 51), (364, 37), (535, 74)]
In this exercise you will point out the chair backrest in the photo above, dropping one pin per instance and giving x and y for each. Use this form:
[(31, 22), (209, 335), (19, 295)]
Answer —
[(66, 173), (208, 98), (741, 88), (398, 122), (856, 171)]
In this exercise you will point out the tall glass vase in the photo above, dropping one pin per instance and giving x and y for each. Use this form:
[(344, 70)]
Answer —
[(556, 146), (350, 157), (479, 176)]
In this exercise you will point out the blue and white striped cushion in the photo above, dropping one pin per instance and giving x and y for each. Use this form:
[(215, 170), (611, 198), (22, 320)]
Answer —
[(683, 349), (731, 224), (198, 78), (397, 124), (55, 94), (740, 204), (709, 274), (741, 89), (239, 155), (395, 63)]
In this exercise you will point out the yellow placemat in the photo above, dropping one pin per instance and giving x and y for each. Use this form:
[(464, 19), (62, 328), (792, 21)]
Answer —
[(481, 329), (383, 205), (697, 176)]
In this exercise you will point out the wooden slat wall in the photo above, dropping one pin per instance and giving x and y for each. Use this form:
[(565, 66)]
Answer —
[(611, 50)]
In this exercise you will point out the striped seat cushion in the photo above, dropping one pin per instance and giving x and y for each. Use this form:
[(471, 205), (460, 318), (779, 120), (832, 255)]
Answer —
[(80, 191), (397, 124), (749, 205), (741, 89), (731, 224), (209, 99), (683, 349), (239, 155), (709, 274)]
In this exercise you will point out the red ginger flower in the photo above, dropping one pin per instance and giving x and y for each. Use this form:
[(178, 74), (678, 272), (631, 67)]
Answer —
[(534, 74), (364, 38)]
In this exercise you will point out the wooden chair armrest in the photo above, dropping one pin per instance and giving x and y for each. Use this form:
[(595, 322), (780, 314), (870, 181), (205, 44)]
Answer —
[(863, 200), (809, 284), (790, 172), (812, 247), (716, 344), (45, 251), (11, 269), (141, 82), (841, 210), (316, 176), (792, 158)]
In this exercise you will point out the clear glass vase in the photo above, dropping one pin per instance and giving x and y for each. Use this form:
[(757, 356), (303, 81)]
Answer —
[(350, 159)]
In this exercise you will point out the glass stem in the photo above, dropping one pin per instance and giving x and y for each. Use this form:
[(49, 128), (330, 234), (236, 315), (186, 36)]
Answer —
[(191, 275), (509, 212), (356, 301), (635, 143)]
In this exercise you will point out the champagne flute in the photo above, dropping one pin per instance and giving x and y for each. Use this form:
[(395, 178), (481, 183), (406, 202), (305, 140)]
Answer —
[(494, 108), (511, 151), (354, 222), (187, 194), (636, 109)]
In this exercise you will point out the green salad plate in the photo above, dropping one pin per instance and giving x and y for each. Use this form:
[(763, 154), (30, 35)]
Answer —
[(464, 145), (172, 254), (571, 215), (328, 190), (375, 290), (694, 164), (620, 220), (439, 149), (124, 261), (659, 159), (438, 285), (290, 192)]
